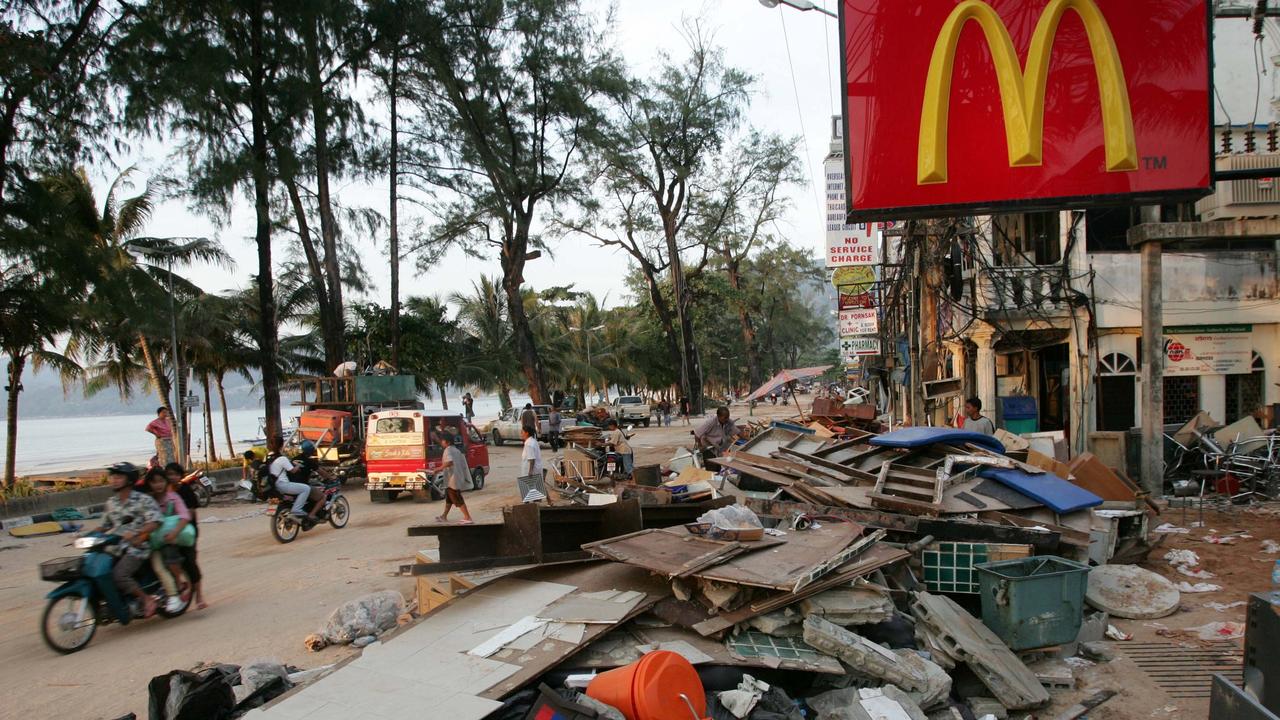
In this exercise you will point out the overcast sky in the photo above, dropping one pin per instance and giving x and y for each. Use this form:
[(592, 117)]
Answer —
[(794, 57), (753, 39)]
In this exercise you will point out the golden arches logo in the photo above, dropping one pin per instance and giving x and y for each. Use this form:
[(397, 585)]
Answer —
[(1022, 92)]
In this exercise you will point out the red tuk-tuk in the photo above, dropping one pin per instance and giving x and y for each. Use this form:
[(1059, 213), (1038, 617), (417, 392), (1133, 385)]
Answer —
[(402, 453)]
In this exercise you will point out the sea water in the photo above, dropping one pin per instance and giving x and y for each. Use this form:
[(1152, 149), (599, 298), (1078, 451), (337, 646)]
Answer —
[(52, 445)]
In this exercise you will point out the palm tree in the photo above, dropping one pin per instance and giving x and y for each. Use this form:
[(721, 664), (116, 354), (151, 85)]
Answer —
[(135, 272), (46, 264), (487, 357)]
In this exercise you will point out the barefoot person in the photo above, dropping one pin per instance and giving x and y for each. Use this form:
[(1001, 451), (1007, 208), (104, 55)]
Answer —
[(454, 466)]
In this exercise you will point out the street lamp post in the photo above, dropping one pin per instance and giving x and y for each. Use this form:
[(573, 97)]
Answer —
[(180, 412), (798, 5), (729, 369), (589, 330)]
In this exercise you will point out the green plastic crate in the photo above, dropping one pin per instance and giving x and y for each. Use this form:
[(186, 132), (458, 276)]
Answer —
[(948, 566), (1033, 602)]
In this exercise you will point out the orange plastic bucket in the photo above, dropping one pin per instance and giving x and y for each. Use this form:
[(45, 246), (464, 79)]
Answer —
[(650, 688)]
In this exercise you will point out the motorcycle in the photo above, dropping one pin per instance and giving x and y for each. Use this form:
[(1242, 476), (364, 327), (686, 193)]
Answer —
[(610, 466), (201, 485), (335, 510), (87, 596)]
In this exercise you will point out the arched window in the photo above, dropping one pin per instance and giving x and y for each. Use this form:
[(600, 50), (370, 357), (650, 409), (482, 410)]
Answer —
[(1117, 364)]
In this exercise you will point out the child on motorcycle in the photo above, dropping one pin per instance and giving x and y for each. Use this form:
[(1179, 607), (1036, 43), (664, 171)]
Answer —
[(133, 516), (167, 561), (173, 471)]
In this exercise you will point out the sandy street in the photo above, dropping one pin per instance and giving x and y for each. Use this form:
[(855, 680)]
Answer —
[(264, 597)]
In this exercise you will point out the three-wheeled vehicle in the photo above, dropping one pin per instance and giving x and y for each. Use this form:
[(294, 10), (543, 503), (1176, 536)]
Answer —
[(403, 453)]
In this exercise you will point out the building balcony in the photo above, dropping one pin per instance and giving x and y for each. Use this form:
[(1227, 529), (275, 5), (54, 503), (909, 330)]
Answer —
[(1030, 291)]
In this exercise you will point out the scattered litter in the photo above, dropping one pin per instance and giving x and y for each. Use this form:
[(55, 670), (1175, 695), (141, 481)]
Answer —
[(1218, 631), (1116, 633), (1169, 529), (1270, 547), (1187, 587), (1197, 574), (367, 615), (743, 699), (1182, 557), (1223, 607)]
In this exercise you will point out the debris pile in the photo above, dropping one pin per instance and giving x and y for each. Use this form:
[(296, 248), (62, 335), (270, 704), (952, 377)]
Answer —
[(829, 575)]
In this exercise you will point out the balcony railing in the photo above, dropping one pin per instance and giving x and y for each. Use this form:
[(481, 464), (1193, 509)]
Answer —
[(1022, 291)]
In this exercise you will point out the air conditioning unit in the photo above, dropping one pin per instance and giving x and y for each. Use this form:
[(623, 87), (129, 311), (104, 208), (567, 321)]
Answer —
[(1243, 198)]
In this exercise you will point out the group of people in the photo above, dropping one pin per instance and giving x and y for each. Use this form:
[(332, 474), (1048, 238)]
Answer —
[(664, 408), (142, 506)]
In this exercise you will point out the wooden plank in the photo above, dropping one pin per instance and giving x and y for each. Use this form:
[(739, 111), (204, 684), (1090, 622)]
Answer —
[(781, 566), (1068, 535), (897, 502), (852, 474), (759, 473), (665, 552), (870, 561)]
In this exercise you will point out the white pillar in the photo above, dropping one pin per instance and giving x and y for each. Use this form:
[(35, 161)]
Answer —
[(985, 368), (1083, 370)]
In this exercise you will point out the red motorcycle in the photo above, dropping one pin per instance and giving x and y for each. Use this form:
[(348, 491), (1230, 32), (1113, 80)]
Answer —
[(201, 485)]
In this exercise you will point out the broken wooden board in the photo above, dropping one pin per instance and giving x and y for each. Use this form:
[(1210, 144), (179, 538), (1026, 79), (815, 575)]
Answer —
[(1091, 474), (909, 489), (738, 465), (838, 471), (672, 552), (630, 642), (782, 566), (865, 564)]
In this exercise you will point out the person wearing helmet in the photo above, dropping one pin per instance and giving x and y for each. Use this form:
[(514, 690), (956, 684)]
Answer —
[(306, 466), (282, 471), (132, 515)]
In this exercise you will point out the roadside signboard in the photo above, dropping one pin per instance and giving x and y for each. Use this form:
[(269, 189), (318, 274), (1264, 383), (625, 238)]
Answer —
[(959, 107), (859, 345), (847, 244), (864, 321), (855, 286), (1208, 350)]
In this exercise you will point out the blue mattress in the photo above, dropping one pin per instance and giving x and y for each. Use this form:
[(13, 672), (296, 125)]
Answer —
[(1058, 494), (913, 437)]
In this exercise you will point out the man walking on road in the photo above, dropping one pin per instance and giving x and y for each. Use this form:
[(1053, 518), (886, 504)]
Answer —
[(162, 429), (456, 472), (469, 407), (531, 458)]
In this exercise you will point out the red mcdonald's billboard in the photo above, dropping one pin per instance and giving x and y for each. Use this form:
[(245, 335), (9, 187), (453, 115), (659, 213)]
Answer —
[(963, 106)]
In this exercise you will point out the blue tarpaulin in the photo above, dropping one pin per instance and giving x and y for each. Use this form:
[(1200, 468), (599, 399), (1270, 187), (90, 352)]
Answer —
[(920, 436), (1058, 494)]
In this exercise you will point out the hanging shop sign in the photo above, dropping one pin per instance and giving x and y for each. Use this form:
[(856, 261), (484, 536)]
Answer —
[(858, 346), (865, 321), (1208, 350), (855, 286), (990, 104), (848, 243)]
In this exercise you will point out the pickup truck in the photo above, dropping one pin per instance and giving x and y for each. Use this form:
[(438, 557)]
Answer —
[(631, 409), (507, 427)]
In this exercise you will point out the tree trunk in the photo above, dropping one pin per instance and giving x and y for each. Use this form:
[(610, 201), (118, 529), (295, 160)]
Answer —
[(754, 376), (210, 447), (226, 421), (504, 395), (393, 89), (330, 327), (512, 278), (444, 399), (16, 364), (665, 318), (269, 335), (328, 225), (158, 379), (690, 367)]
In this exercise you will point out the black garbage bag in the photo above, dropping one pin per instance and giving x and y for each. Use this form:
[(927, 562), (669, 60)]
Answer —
[(182, 695), (774, 705)]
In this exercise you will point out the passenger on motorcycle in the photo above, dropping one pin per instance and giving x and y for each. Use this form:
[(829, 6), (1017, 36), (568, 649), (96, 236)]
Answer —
[(307, 464), (133, 516), (174, 472), (280, 470), (167, 560)]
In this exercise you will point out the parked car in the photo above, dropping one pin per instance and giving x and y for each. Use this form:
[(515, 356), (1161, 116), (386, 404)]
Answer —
[(402, 453), (631, 409), (507, 427)]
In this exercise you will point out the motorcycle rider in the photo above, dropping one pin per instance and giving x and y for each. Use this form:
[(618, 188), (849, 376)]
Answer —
[(280, 470), (132, 515), (618, 439)]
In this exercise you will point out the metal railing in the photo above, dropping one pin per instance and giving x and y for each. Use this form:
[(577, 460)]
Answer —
[(1021, 290)]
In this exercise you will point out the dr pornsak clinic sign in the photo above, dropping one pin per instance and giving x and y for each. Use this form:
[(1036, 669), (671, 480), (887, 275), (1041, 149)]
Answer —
[(865, 321), (953, 107)]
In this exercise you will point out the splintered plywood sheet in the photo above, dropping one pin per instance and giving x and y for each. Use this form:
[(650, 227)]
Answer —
[(666, 553), (781, 567)]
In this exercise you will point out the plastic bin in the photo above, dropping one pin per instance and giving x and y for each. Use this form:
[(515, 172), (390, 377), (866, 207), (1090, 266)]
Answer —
[(1018, 414), (1033, 602)]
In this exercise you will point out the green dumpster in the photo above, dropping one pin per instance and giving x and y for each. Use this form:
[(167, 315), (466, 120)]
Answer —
[(1033, 602)]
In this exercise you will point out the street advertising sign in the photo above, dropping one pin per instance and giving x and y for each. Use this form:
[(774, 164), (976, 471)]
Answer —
[(957, 108), (848, 243), (1208, 350), (859, 345), (855, 286), (865, 321)]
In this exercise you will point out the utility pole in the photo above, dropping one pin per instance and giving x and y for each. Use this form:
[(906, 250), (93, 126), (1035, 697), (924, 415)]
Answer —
[(1152, 359)]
